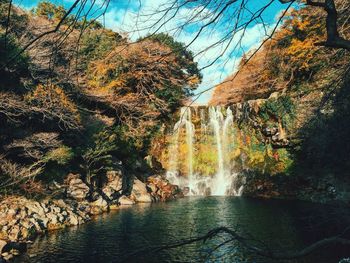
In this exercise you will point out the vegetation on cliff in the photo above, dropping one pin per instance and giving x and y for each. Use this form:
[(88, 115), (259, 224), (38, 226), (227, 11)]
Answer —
[(82, 98), (309, 87)]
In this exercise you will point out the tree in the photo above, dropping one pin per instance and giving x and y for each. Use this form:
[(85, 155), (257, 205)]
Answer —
[(233, 18), (143, 82), (334, 39), (49, 10)]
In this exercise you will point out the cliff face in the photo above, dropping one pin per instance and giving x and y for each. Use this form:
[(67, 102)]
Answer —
[(306, 100)]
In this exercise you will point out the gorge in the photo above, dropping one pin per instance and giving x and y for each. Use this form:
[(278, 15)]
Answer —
[(108, 152)]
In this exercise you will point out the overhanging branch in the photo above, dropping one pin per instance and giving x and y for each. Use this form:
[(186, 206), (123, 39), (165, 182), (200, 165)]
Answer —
[(334, 40)]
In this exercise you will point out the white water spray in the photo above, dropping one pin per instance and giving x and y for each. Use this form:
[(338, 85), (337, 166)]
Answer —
[(222, 182)]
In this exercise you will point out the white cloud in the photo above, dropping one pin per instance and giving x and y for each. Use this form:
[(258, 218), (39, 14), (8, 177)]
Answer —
[(126, 16)]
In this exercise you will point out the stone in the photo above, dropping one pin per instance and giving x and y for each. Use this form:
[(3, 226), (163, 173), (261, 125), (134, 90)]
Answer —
[(36, 225), (14, 233), (124, 200), (73, 220), (113, 175), (77, 189), (100, 203), (114, 207), (35, 207), (3, 243), (7, 256), (145, 198), (12, 212), (99, 206), (274, 95), (153, 188), (140, 193), (161, 189)]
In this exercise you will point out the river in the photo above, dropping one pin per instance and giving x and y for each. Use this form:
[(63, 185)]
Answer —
[(113, 237)]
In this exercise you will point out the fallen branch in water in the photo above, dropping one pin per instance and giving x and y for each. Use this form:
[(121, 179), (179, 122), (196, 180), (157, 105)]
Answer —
[(246, 243)]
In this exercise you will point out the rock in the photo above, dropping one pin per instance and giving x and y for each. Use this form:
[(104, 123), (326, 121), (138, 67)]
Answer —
[(77, 189), (274, 95), (153, 188), (114, 184), (54, 222), (36, 225), (14, 233), (99, 206), (140, 193), (100, 203), (113, 175), (14, 248), (146, 198), (162, 190), (73, 220), (35, 207), (124, 200), (3, 243), (114, 207), (7, 256)]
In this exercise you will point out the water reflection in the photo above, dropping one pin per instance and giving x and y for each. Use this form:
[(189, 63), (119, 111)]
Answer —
[(110, 237)]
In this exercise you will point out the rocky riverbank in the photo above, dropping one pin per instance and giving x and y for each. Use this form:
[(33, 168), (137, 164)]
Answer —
[(22, 219)]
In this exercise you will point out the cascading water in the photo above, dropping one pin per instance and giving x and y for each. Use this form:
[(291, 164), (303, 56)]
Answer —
[(215, 141), (189, 140), (216, 120), (172, 174)]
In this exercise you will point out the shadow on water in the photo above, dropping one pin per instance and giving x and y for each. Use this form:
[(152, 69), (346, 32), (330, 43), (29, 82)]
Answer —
[(110, 237)]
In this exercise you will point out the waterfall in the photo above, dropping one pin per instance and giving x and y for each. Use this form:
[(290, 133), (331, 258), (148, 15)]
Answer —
[(216, 119), (217, 143), (189, 141), (172, 174), (203, 123)]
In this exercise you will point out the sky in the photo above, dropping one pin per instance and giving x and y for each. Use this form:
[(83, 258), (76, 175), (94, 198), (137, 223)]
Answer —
[(136, 18)]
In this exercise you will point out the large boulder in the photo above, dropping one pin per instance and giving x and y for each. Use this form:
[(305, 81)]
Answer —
[(124, 200), (140, 192), (76, 188)]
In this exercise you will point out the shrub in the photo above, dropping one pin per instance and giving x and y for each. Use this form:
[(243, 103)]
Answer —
[(281, 109)]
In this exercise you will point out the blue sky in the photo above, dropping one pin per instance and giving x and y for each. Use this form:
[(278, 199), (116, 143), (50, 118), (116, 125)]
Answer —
[(122, 16)]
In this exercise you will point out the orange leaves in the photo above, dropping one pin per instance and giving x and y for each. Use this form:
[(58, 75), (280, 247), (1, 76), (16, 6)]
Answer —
[(139, 81), (193, 80), (301, 52), (53, 103), (53, 95)]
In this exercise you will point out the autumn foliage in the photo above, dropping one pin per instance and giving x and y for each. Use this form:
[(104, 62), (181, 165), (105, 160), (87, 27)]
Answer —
[(142, 82), (88, 97), (291, 58)]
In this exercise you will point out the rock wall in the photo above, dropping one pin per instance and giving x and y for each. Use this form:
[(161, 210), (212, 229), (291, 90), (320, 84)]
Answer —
[(283, 173)]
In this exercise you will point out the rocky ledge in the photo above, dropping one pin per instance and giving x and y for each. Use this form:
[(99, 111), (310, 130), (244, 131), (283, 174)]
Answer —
[(22, 219)]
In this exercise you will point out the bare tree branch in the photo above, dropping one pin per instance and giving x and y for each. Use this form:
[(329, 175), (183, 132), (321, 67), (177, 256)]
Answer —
[(247, 243)]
